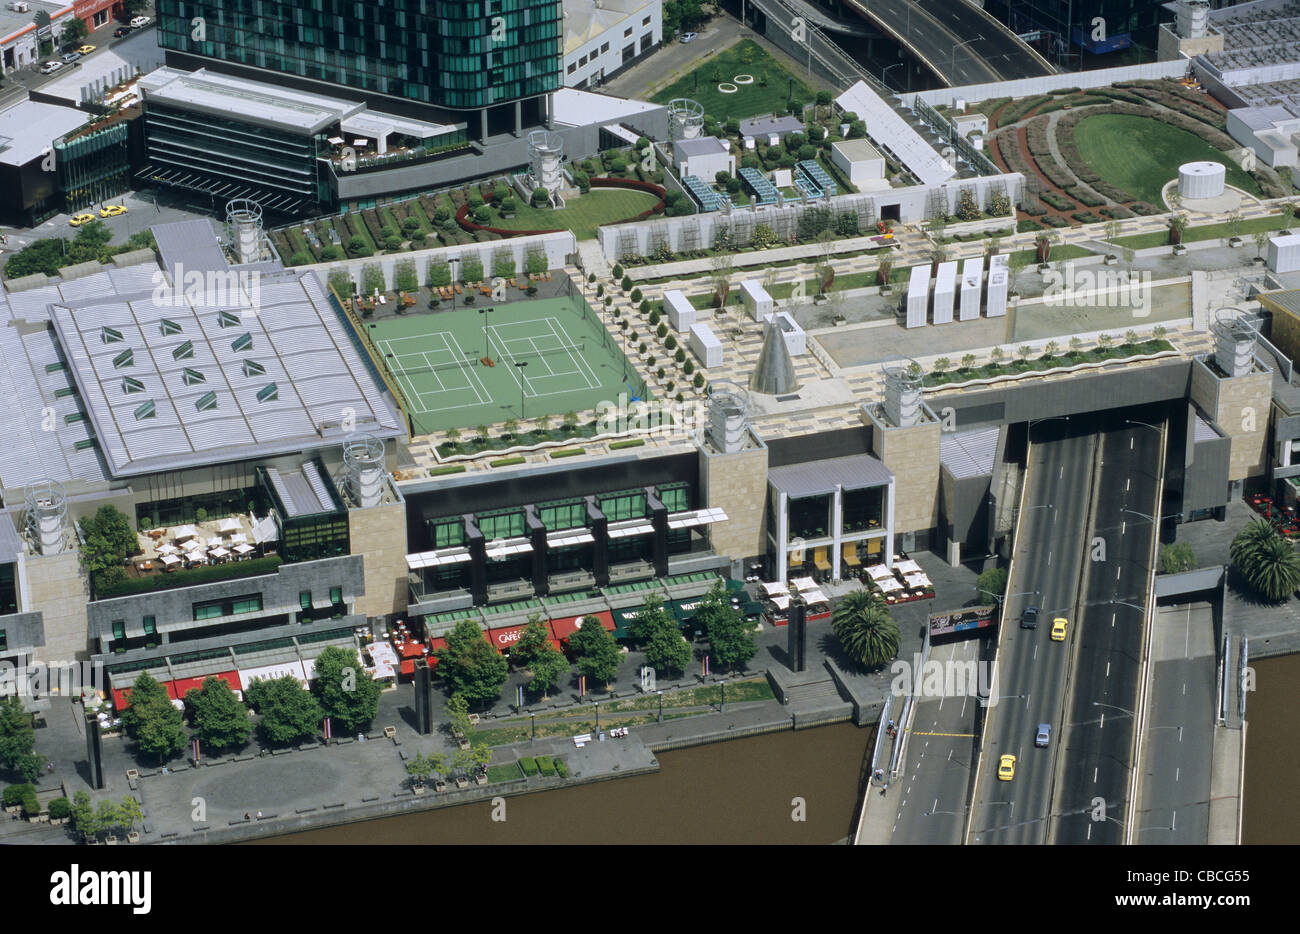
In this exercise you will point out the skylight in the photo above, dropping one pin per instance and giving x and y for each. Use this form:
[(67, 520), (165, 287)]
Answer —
[(206, 402), (146, 410), (184, 352)]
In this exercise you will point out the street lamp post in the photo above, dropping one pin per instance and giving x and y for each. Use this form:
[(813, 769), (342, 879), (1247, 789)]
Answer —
[(661, 705), (521, 364), (886, 71), (484, 312), (953, 66)]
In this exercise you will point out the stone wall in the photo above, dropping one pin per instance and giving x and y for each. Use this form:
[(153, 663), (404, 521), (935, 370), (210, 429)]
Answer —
[(378, 534), (737, 484), (58, 589), (913, 456)]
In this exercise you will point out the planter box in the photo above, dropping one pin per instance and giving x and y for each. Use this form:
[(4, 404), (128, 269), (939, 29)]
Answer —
[(462, 783), (439, 785), (111, 841), (480, 779), (1234, 242), (133, 837), (1111, 259), (417, 790), (1179, 249), (1077, 367)]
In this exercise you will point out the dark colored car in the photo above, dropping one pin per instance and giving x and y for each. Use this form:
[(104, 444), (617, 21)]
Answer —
[(122, 31), (1029, 618)]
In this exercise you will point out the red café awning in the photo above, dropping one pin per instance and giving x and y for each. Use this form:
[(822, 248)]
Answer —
[(185, 685), (122, 696), (411, 649), (504, 637), (566, 626)]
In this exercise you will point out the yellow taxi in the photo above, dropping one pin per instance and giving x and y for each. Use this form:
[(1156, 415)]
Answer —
[(86, 49), (1006, 768), (113, 210), (80, 219), (1058, 629)]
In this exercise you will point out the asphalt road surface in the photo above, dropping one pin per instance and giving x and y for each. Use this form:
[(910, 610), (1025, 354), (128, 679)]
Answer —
[(961, 44), (1178, 743), (941, 750), (1049, 553), (1097, 742)]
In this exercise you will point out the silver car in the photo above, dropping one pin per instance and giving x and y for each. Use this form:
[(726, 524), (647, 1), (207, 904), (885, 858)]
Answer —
[(689, 36), (1044, 735)]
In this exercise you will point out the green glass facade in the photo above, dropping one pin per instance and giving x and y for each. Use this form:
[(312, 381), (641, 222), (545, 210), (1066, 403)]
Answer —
[(93, 167), (456, 54)]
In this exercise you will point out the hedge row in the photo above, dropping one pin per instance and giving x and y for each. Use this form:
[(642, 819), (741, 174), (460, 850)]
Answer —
[(1085, 197)]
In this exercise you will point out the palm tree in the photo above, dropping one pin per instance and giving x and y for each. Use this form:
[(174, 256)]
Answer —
[(1274, 572), (1249, 543), (866, 632)]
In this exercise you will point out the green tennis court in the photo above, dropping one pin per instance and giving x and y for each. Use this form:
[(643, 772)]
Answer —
[(548, 357)]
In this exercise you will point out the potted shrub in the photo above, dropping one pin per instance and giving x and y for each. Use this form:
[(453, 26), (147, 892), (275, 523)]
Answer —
[(13, 798), (60, 811)]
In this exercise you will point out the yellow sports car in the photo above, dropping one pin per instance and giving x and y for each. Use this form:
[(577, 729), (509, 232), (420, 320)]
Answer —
[(1006, 768), (1058, 629), (113, 210), (80, 219), (86, 49)]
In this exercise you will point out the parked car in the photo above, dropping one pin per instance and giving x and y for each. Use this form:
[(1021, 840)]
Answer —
[(140, 22), (86, 49), (49, 68), (690, 36), (71, 57), (112, 210), (121, 31), (79, 219)]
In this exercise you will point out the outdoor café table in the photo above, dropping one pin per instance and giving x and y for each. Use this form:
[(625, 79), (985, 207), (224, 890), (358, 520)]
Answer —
[(879, 572), (803, 583)]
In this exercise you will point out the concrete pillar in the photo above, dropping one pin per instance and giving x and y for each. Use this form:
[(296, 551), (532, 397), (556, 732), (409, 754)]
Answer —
[(837, 530), (782, 536), (482, 124), (519, 118), (598, 524), (889, 527), (954, 553)]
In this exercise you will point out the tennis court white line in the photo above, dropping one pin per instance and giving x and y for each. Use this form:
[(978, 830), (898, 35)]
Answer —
[(582, 364), (407, 383), (480, 390), (516, 372)]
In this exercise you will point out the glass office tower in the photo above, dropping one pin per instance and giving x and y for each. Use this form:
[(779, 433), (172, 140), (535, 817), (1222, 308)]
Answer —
[(455, 55)]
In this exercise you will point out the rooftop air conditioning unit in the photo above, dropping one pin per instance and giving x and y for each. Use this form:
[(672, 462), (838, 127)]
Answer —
[(19, 7)]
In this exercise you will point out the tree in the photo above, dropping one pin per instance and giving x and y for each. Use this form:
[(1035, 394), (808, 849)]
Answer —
[(145, 690), (730, 635), (18, 740), (107, 539), (967, 361), (1261, 238), (288, 710), (220, 720), (74, 30), (346, 691), (1052, 348), (652, 617), (83, 816), (511, 427), (470, 665), (160, 730), (547, 666), (668, 650), (458, 720), (597, 656), (1176, 558), (422, 766), (1272, 567), (531, 641), (991, 585), (862, 624)]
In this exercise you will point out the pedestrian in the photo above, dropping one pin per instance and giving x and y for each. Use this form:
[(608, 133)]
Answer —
[(259, 815), (891, 726), (247, 816)]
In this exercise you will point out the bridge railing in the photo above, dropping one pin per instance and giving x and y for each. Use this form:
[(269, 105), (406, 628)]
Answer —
[(980, 162)]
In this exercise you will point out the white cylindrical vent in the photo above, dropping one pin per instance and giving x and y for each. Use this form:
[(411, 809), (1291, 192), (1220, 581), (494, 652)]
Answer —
[(363, 463), (47, 509), (1234, 344), (685, 118), (902, 395), (1192, 18), (728, 417), (546, 156), (1201, 179), (244, 229)]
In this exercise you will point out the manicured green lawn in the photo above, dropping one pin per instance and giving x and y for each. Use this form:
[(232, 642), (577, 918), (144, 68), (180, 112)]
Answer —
[(750, 99), (1204, 232), (582, 215), (1140, 155)]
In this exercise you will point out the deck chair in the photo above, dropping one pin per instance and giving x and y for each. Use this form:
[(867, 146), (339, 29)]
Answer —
[(851, 555)]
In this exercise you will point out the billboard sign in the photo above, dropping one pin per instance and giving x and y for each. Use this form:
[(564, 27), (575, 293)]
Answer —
[(967, 619)]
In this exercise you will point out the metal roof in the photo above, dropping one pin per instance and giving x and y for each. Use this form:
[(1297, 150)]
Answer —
[(856, 472), (128, 342), (1203, 431), (969, 453), (891, 131), (700, 146), (189, 246), (11, 546), (250, 101)]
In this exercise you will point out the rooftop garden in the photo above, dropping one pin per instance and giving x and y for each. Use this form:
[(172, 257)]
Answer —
[(1054, 356), (713, 84)]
